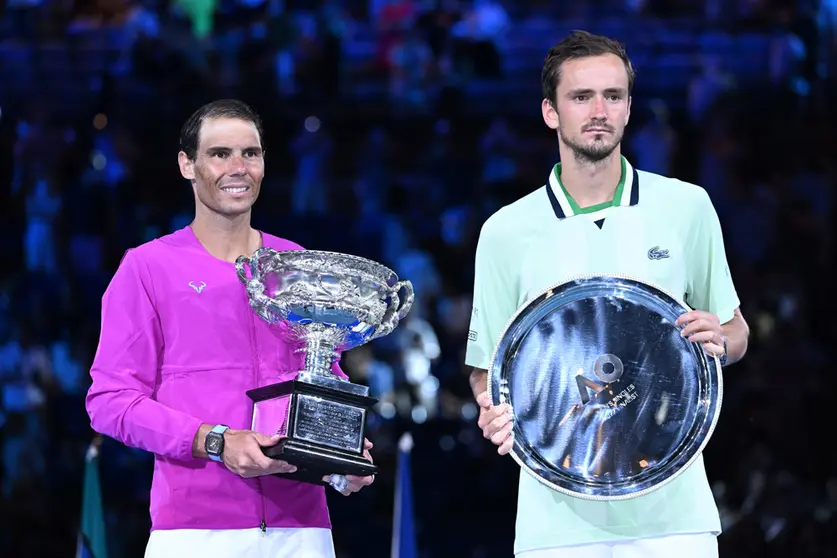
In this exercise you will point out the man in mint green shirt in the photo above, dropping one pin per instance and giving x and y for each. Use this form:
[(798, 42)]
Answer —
[(596, 214)]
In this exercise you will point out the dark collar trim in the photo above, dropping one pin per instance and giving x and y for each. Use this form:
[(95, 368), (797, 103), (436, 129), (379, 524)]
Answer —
[(635, 189), (559, 213), (556, 207)]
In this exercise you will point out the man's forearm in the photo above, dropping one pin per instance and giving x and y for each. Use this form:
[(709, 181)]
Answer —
[(138, 421), (478, 381), (199, 443), (737, 333)]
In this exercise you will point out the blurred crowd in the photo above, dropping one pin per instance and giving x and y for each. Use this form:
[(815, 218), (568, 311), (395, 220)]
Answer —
[(393, 129)]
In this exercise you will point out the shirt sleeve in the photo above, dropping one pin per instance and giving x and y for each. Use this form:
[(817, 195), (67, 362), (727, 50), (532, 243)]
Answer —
[(710, 286), (495, 295), (125, 370)]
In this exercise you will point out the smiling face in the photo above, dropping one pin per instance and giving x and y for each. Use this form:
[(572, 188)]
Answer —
[(228, 168), (592, 106)]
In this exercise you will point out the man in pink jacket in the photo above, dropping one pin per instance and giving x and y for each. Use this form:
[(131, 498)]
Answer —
[(179, 348)]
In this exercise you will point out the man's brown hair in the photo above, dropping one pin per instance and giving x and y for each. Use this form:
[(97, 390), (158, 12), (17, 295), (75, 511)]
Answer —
[(580, 44)]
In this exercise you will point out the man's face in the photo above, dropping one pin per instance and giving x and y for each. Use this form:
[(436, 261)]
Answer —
[(592, 106), (228, 168)]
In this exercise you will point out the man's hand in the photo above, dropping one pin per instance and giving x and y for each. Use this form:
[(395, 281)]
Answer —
[(243, 454), (496, 423), (705, 328), (355, 482)]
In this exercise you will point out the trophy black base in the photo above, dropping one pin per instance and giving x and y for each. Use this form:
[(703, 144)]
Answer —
[(314, 462), (323, 423)]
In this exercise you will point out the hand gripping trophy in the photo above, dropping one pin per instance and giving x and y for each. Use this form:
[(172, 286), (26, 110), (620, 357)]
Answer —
[(327, 303)]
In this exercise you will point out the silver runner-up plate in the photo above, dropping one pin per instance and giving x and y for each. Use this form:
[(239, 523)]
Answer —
[(609, 401)]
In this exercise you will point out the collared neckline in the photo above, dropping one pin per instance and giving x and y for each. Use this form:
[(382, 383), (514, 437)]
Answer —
[(627, 194)]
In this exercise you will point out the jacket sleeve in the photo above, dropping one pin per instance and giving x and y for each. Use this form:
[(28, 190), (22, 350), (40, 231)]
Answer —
[(335, 369), (125, 370)]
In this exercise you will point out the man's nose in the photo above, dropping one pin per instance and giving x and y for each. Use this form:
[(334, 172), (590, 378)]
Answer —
[(236, 165), (599, 109)]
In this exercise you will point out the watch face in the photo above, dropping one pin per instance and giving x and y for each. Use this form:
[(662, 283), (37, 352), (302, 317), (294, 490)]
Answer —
[(213, 444)]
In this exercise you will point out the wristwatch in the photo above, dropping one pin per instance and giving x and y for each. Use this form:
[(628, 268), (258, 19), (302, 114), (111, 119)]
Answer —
[(723, 357), (214, 444)]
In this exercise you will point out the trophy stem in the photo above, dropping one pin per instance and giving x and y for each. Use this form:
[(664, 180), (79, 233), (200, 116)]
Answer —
[(319, 354)]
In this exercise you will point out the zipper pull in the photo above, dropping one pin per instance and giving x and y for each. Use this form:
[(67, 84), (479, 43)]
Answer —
[(263, 526)]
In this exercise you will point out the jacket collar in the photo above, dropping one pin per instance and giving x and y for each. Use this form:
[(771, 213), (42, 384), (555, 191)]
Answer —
[(627, 193)]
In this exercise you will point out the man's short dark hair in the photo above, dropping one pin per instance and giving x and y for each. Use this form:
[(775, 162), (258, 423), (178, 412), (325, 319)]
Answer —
[(224, 108), (580, 44)]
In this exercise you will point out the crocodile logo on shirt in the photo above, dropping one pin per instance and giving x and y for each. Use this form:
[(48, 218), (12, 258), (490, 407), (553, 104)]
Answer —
[(657, 253), (197, 286)]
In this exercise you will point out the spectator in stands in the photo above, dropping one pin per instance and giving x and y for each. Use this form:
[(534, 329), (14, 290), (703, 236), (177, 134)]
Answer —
[(479, 38), (707, 86), (655, 143), (393, 18), (312, 148), (23, 15), (436, 21), (411, 65)]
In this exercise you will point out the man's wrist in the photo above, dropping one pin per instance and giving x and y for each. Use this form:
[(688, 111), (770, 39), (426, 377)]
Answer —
[(215, 442), (479, 381), (199, 442)]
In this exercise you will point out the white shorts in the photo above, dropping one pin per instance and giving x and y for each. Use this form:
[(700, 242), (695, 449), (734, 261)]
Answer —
[(243, 543), (701, 545)]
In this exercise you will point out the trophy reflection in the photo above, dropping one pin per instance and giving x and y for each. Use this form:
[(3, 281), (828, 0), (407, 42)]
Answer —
[(328, 303)]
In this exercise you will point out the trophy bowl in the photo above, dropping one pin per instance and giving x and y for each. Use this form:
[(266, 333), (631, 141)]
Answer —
[(327, 303)]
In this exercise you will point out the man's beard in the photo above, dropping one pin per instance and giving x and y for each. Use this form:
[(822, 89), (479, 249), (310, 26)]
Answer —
[(593, 153)]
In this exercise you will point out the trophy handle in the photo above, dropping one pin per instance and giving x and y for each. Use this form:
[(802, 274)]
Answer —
[(407, 303), (399, 307), (255, 289), (244, 264)]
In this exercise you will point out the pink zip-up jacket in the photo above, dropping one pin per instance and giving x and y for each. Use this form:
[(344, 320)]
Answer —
[(180, 346)]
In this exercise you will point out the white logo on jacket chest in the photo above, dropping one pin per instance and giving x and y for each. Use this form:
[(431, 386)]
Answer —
[(198, 286)]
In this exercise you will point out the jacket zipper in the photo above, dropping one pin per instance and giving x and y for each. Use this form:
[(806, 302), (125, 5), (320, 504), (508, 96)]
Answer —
[(254, 347)]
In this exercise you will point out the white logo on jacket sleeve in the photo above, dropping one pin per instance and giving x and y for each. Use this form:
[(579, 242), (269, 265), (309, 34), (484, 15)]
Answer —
[(199, 286)]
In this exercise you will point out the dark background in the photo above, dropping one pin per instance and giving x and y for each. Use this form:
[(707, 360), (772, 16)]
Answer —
[(393, 129)]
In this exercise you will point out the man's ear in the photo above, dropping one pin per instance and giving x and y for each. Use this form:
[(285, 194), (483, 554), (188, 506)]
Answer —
[(187, 166), (550, 115)]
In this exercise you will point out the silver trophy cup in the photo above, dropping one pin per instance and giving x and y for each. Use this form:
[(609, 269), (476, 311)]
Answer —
[(326, 303)]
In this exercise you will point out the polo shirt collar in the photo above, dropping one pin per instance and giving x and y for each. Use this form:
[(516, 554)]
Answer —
[(627, 193)]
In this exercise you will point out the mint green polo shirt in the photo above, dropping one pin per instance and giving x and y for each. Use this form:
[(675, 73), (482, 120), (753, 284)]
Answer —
[(658, 229)]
